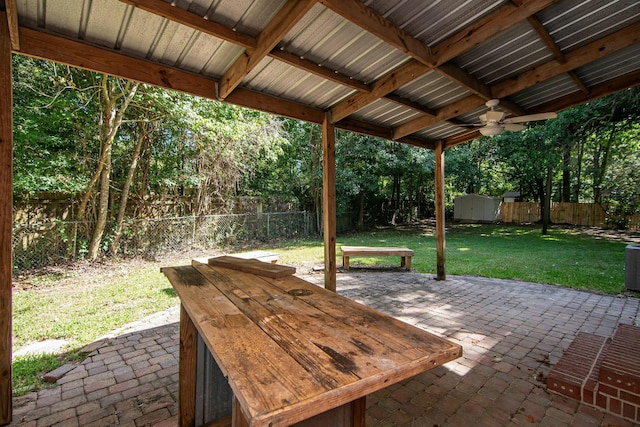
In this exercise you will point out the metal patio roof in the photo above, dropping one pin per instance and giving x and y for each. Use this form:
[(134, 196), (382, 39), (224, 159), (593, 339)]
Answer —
[(407, 70)]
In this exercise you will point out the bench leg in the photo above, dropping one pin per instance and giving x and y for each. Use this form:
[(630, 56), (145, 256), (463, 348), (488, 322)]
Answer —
[(403, 261), (408, 263), (345, 262)]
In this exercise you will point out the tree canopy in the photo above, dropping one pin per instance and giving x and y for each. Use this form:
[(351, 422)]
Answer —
[(105, 140)]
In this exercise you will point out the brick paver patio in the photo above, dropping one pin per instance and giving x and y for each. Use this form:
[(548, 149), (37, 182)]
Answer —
[(512, 333)]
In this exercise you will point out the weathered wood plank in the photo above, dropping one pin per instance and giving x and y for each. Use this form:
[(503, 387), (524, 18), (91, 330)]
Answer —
[(263, 377), (253, 266), (350, 350), (399, 337), (292, 350)]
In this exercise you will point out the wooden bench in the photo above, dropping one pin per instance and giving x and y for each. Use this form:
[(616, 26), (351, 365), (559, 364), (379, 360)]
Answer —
[(261, 351), (405, 254)]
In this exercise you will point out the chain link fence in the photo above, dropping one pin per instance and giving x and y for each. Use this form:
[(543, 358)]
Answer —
[(44, 244)]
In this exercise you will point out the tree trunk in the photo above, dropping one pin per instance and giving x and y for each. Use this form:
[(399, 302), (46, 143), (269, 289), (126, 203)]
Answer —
[(113, 116), (103, 207), (578, 188), (601, 162), (546, 214), (361, 210), (144, 135), (566, 173)]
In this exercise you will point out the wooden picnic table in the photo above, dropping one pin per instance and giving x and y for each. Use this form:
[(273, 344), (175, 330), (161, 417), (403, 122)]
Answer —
[(265, 351)]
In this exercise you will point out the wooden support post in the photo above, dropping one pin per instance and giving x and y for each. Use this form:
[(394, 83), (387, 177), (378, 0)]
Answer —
[(187, 370), (329, 200), (441, 273), (6, 210)]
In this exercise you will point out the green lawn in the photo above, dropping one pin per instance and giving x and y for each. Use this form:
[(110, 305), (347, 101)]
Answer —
[(563, 257), (84, 303)]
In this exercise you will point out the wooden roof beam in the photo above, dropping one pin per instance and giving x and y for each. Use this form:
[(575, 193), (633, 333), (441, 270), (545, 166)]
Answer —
[(12, 23), (196, 22), (503, 18), (487, 27), (313, 68), (58, 49), (387, 84), (603, 89), (102, 60), (607, 88), (381, 27), (193, 21), (446, 113), (275, 30), (593, 51), (539, 27)]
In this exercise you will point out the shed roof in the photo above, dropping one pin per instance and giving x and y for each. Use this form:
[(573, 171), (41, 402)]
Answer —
[(409, 70)]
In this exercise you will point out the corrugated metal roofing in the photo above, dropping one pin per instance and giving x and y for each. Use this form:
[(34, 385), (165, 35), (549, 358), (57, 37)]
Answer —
[(339, 37), (506, 55)]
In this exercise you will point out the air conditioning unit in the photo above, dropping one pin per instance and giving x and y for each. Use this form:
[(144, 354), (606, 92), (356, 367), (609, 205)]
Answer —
[(632, 268)]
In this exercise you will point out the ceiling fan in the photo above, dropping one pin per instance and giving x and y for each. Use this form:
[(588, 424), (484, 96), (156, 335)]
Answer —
[(493, 121)]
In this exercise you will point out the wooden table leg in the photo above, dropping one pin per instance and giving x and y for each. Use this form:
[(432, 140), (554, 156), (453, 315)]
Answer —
[(408, 263), (345, 262), (187, 369)]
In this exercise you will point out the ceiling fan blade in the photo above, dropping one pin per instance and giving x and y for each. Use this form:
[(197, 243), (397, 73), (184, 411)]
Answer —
[(482, 118), (513, 127), (531, 118)]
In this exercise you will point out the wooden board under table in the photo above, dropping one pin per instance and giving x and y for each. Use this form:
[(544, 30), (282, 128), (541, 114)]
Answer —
[(291, 350), (405, 254)]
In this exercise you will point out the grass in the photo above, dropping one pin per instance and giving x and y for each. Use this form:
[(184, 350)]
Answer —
[(86, 302), (564, 257), (80, 306)]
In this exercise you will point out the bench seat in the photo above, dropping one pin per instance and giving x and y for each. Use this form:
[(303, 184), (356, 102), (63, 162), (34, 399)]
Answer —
[(405, 254)]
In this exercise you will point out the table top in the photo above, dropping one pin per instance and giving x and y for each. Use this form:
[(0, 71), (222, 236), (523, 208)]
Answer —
[(291, 350)]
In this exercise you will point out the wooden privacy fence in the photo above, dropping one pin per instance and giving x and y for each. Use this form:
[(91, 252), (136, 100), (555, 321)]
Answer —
[(582, 214)]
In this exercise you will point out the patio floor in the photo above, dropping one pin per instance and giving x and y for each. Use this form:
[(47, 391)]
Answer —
[(512, 333)]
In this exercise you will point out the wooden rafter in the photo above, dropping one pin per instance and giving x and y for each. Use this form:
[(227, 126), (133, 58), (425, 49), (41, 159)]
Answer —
[(446, 113), (581, 56), (503, 18), (376, 24), (76, 54), (607, 88), (487, 27), (593, 51), (12, 22), (557, 52), (191, 20), (313, 68), (382, 87), (603, 89), (274, 31)]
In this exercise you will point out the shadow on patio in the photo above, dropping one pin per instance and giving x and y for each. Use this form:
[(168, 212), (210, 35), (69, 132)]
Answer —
[(512, 333)]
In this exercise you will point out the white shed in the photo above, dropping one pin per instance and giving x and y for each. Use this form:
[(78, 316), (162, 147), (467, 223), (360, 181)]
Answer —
[(476, 208)]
